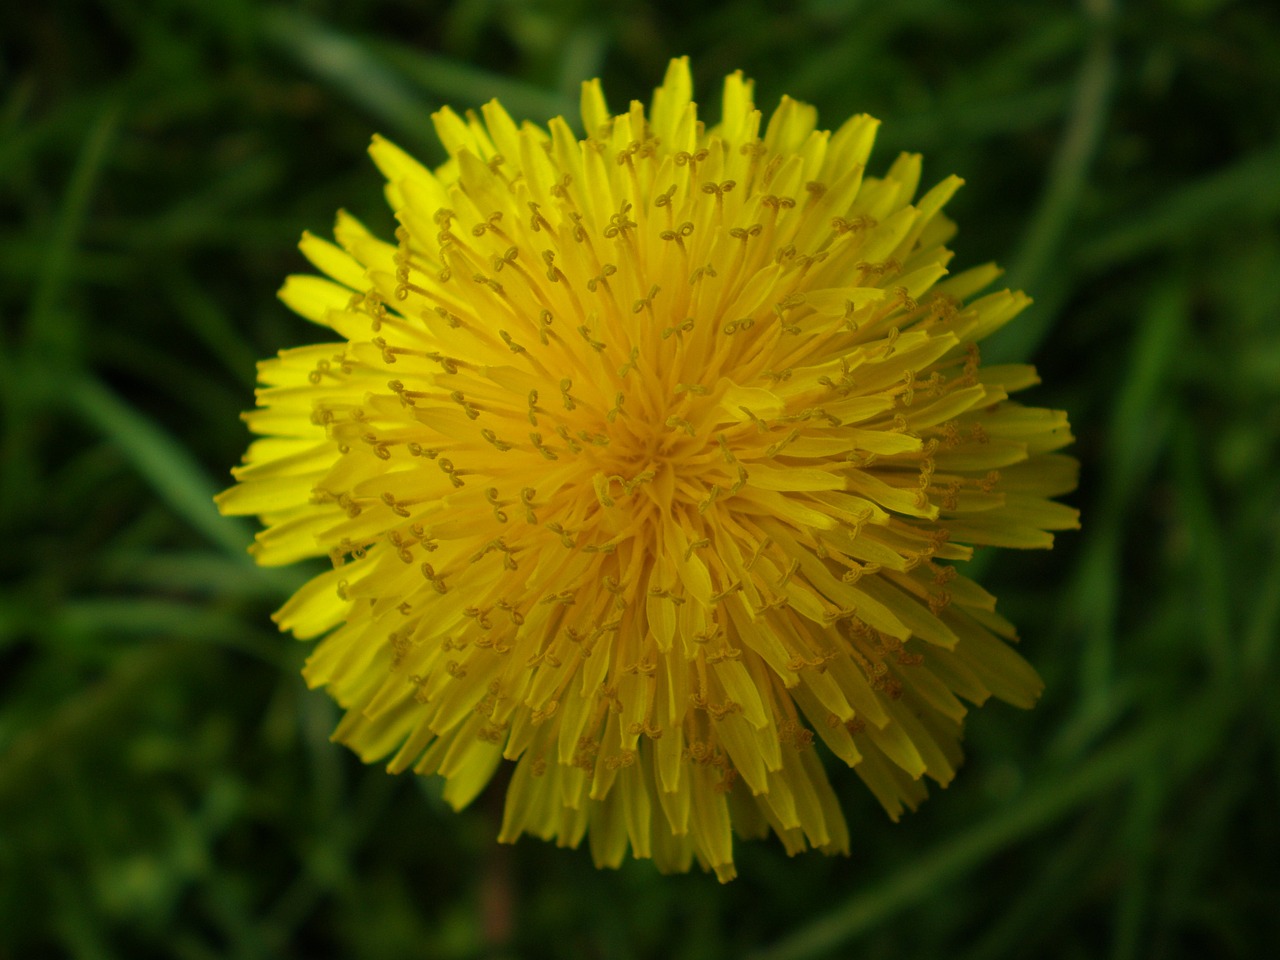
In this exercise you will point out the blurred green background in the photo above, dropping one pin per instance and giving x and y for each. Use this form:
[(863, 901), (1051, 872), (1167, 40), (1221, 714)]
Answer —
[(167, 788)]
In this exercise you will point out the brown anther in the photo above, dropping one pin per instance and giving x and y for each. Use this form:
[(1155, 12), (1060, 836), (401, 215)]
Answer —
[(547, 453), (492, 438), (585, 332)]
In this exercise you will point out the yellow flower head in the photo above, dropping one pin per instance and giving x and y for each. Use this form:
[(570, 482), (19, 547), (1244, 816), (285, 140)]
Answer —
[(641, 460)]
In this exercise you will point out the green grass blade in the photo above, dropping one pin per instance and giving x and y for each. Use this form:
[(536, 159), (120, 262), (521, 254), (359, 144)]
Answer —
[(199, 573), (82, 717), (352, 68), (1135, 441), (1209, 557), (1139, 841), (1040, 807), (51, 337), (1043, 239), (163, 462), (48, 330), (1246, 190), (461, 85), (1264, 626)]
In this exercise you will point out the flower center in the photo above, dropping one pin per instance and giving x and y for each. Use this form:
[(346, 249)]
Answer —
[(665, 436)]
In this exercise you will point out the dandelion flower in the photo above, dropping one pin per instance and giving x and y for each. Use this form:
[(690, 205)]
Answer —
[(643, 461)]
